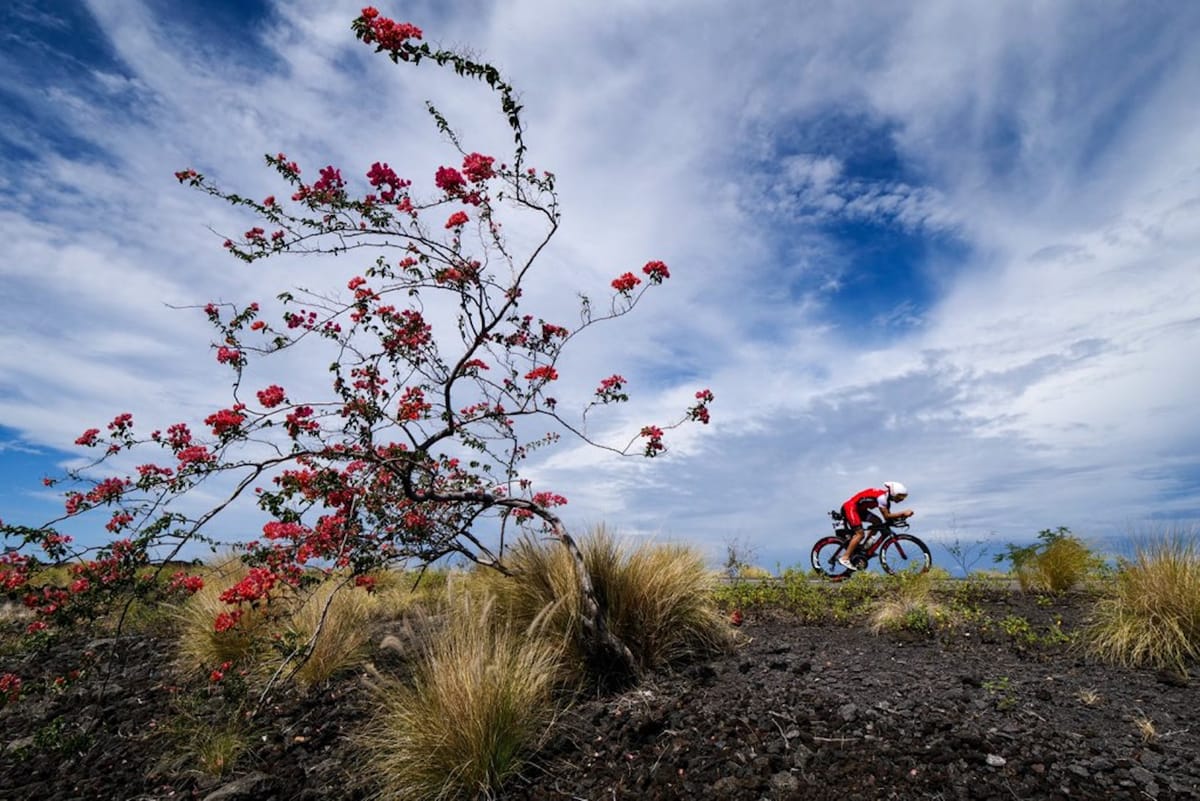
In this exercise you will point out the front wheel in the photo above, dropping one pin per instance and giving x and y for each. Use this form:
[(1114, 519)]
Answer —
[(825, 558), (904, 552)]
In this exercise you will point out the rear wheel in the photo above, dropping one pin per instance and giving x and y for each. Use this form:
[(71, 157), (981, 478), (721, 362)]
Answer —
[(825, 558), (904, 552)]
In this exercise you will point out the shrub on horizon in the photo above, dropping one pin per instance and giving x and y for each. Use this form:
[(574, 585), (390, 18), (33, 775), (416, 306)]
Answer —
[(1058, 562)]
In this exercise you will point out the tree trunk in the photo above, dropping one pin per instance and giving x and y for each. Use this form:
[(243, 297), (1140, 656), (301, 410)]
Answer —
[(607, 658)]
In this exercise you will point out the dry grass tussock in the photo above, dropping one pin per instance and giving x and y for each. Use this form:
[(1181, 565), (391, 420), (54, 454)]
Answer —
[(1150, 613), (658, 598), (303, 635), (481, 699), (908, 604), (201, 646), (328, 632)]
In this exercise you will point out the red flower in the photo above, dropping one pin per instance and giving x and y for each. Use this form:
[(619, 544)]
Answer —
[(544, 373), (449, 180), (271, 397), (478, 168), (194, 454), (625, 283), (657, 271), (229, 355), (226, 420), (456, 219)]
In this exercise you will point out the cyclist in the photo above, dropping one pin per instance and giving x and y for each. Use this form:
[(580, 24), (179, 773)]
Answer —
[(874, 499)]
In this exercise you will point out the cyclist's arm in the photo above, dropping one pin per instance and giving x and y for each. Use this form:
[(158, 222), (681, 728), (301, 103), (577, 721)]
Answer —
[(889, 515)]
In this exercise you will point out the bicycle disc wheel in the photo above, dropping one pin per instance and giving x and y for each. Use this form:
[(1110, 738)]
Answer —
[(825, 558), (904, 552)]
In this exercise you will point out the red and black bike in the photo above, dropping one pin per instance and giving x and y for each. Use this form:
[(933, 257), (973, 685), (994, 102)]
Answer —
[(897, 552)]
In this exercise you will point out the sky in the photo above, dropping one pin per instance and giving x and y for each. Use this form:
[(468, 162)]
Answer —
[(948, 243)]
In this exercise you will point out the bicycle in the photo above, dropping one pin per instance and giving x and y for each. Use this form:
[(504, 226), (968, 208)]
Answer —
[(896, 552)]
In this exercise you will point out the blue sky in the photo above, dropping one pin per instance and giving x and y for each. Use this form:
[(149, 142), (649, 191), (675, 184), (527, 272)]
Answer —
[(948, 243)]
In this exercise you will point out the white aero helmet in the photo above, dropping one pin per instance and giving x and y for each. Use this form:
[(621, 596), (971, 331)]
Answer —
[(896, 490)]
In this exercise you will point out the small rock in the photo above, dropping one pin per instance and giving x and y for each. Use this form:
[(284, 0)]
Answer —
[(1141, 775), (726, 787), (244, 787), (996, 761), (784, 783), (803, 756), (848, 712)]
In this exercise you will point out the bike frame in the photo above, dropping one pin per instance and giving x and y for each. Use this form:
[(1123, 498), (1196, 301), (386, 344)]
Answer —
[(873, 539), (879, 540), (876, 534)]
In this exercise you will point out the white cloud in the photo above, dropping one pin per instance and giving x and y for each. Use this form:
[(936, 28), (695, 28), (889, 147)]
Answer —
[(1046, 379)]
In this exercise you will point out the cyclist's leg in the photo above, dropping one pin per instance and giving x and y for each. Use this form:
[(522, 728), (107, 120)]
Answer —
[(854, 523)]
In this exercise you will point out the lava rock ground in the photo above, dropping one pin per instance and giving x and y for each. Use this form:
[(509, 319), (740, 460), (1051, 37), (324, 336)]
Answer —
[(798, 711)]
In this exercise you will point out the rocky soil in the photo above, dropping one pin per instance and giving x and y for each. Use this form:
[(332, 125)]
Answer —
[(799, 711)]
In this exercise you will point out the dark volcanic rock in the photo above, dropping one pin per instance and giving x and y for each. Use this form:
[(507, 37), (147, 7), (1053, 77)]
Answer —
[(797, 712)]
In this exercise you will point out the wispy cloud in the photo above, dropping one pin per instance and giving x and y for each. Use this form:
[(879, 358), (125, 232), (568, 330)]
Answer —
[(949, 243)]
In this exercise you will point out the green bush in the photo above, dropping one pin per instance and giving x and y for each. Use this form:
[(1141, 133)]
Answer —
[(1059, 561)]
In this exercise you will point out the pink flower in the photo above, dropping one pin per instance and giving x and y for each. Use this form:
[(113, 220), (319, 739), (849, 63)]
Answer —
[(548, 499), (229, 355), (625, 283), (88, 437), (456, 219), (655, 444), (390, 35)]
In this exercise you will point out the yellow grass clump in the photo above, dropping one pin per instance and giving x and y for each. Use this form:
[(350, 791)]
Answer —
[(200, 644), (908, 605), (329, 632), (1149, 613), (481, 699), (306, 635), (658, 599)]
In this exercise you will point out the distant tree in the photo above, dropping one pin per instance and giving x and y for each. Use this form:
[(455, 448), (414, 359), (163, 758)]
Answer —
[(414, 452)]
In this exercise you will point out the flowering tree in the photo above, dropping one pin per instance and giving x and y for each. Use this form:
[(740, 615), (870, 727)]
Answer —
[(414, 452)]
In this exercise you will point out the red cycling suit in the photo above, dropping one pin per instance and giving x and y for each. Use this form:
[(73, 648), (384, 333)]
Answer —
[(872, 498)]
